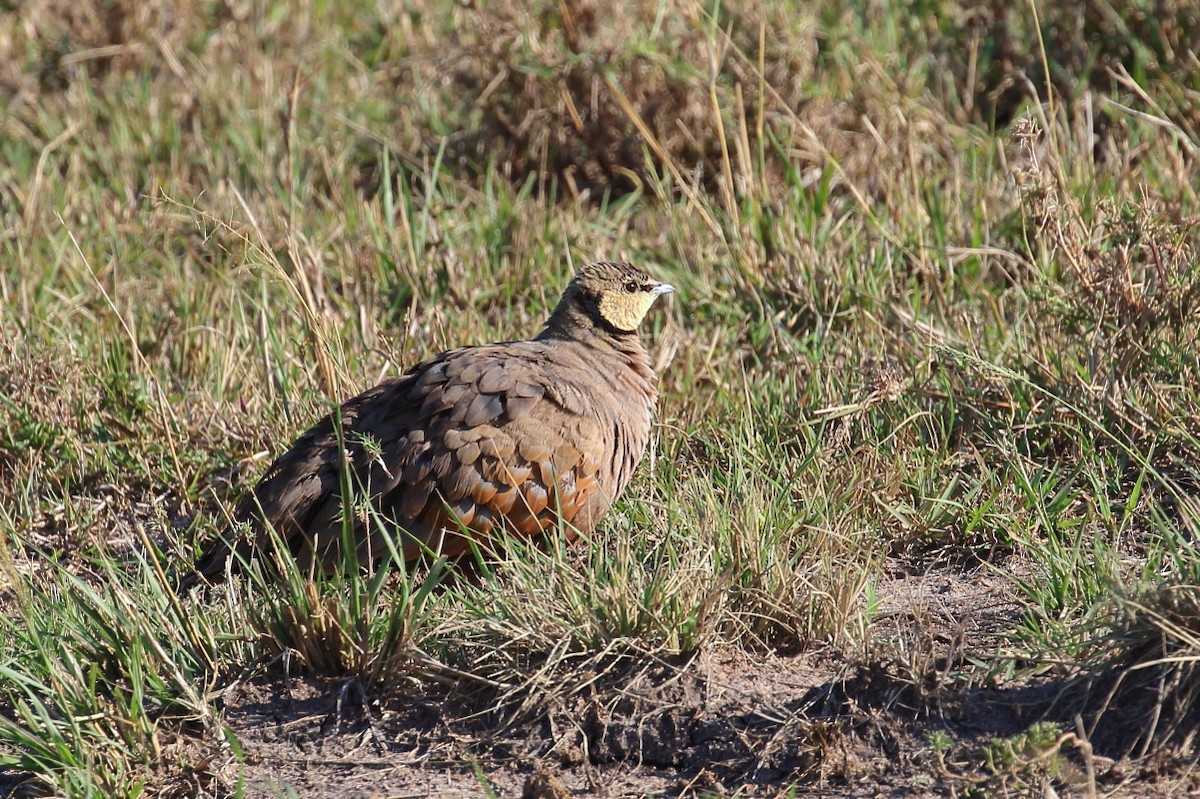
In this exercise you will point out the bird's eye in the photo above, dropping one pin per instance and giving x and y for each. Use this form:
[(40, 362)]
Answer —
[(631, 286)]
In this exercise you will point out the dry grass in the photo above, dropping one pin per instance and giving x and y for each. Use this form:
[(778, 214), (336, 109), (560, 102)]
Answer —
[(936, 313)]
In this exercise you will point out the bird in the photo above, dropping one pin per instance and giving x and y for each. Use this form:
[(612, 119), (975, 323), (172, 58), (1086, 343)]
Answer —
[(526, 437)]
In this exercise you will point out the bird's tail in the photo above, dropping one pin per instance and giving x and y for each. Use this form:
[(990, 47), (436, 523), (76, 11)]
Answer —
[(215, 563)]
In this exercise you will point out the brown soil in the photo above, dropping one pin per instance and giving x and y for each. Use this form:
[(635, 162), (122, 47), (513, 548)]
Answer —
[(717, 723)]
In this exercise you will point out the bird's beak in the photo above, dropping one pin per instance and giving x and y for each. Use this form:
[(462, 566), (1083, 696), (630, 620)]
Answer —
[(661, 289)]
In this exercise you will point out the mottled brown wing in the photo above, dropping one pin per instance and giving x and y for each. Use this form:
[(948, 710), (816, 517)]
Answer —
[(491, 447), (480, 437), (296, 487)]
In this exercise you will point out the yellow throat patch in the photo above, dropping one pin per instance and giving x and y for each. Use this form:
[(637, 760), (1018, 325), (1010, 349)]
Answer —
[(625, 311)]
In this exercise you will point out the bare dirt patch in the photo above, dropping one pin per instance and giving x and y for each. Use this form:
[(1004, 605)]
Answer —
[(717, 722), (914, 715), (723, 722)]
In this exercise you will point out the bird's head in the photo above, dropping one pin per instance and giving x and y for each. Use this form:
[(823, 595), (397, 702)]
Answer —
[(615, 296)]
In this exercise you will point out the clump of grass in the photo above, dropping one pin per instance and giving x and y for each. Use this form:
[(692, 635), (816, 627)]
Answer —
[(1001, 56), (1114, 340), (1144, 649), (66, 39), (1040, 759), (96, 672), (587, 100), (1029, 758), (1129, 287), (367, 625)]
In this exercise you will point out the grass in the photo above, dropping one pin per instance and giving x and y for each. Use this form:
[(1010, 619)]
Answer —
[(938, 281)]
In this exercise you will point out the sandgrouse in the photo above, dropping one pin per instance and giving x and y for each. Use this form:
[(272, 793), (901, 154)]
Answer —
[(517, 435)]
